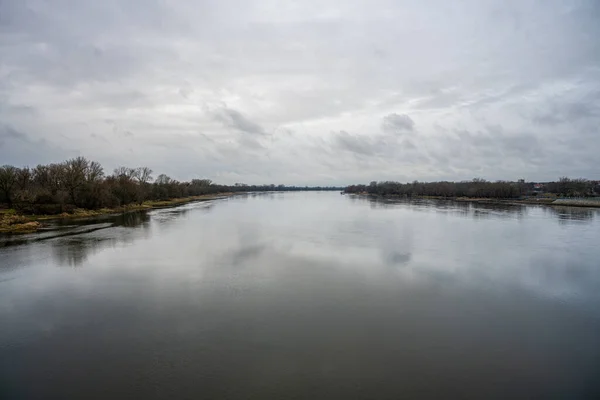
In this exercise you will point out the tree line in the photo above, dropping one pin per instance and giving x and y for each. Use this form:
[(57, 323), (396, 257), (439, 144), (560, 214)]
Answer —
[(81, 183), (480, 188)]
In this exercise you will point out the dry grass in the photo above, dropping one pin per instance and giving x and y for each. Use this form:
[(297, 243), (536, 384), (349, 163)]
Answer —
[(11, 222)]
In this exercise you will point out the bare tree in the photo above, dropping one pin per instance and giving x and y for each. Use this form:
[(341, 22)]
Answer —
[(126, 188), (94, 172), (23, 178), (41, 175), (144, 177), (125, 172), (8, 180), (163, 179), (75, 172), (56, 177)]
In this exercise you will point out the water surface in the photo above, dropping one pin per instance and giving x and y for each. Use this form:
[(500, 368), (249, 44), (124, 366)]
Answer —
[(306, 296)]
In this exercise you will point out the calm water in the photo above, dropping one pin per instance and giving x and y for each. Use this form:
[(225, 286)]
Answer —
[(306, 296)]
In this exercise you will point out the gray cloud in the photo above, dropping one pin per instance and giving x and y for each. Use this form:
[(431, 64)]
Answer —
[(16, 109), (296, 93), (554, 114), (386, 146), (397, 123), (235, 120), (17, 148), (363, 145), (494, 141), (8, 132)]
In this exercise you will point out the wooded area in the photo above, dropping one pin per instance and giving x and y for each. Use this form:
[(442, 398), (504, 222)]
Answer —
[(81, 183), (480, 188)]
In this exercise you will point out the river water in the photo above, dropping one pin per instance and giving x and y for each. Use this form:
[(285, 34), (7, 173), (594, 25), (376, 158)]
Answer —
[(307, 295)]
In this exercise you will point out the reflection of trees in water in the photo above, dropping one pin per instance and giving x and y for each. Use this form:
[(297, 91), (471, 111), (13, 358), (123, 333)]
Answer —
[(206, 209), (252, 195), (460, 208), (564, 214), (268, 195), (74, 250), (485, 211), (571, 215), (132, 219), (167, 217)]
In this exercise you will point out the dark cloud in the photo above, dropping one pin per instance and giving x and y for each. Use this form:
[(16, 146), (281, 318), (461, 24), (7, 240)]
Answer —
[(362, 145), (8, 132), (99, 138), (185, 92), (19, 149), (568, 113), (408, 144), (249, 143), (396, 123), (491, 152), (494, 140), (17, 109), (235, 120), (385, 146)]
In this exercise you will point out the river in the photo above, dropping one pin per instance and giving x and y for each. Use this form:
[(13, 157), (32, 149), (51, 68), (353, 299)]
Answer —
[(308, 295)]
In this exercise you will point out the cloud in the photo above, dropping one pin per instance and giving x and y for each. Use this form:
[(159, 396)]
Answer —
[(494, 140), (569, 113), (235, 120), (17, 148), (308, 93), (8, 132), (396, 123), (362, 145), (385, 148), (16, 109)]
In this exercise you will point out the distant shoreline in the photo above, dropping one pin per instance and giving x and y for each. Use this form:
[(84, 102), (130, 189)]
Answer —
[(562, 202), (14, 223)]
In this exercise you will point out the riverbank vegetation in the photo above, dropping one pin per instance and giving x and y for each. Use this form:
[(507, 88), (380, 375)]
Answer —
[(482, 189), (80, 187)]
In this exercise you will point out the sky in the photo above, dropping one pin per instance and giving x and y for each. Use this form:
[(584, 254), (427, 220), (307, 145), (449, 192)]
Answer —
[(305, 92)]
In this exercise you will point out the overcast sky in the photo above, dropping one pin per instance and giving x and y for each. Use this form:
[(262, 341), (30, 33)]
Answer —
[(307, 91)]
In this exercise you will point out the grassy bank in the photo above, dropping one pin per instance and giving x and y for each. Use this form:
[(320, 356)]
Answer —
[(12, 222)]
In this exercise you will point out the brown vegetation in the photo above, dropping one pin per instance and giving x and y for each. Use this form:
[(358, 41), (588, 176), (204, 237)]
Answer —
[(14, 223), (79, 188)]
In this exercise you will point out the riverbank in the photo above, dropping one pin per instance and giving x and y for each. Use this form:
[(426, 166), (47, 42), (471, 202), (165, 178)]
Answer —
[(541, 201), (13, 222), (484, 200)]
